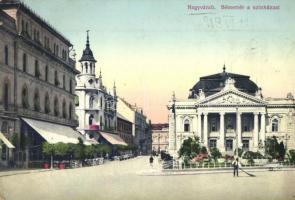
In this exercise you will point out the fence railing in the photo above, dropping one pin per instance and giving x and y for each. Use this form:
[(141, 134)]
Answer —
[(172, 164)]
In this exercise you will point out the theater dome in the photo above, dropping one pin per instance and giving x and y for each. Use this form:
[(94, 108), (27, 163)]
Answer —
[(215, 83)]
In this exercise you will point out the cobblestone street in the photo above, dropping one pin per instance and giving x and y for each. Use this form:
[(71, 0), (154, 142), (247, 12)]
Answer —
[(121, 180)]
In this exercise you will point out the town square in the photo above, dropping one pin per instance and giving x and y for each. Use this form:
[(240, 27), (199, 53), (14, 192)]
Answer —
[(147, 100)]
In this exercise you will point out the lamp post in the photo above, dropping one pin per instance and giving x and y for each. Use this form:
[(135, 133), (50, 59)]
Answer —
[(237, 136), (51, 162)]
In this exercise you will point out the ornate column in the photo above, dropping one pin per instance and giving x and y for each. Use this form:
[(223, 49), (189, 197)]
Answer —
[(262, 129), (200, 126), (255, 132), (221, 132), (205, 139), (239, 130)]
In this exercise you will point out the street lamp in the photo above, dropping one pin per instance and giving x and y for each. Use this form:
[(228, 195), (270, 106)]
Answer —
[(237, 136)]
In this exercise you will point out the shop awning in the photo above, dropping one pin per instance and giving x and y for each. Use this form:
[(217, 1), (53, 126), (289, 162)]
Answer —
[(6, 141), (112, 138), (54, 133)]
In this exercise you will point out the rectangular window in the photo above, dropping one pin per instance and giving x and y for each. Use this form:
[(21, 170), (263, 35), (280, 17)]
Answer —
[(64, 81), (229, 145), (6, 54), (212, 143), (245, 145)]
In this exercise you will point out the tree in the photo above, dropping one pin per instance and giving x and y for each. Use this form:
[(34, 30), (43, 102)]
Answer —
[(190, 148), (291, 155), (204, 150), (79, 150), (90, 151), (240, 152), (281, 151), (215, 153), (48, 149), (61, 149), (272, 147)]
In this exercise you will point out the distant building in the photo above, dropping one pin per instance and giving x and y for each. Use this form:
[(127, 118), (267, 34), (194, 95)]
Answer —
[(160, 137), (228, 111), (140, 128), (124, 129), (37, 79), (96, 108)]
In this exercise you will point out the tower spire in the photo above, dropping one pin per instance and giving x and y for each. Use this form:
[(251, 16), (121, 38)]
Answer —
[(100, 73), (224, 68), (87, 40)]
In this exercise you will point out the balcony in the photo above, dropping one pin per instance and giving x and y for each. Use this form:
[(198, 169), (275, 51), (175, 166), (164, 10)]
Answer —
[(214, 134), (230, 133), (247, 134), (46, 117)]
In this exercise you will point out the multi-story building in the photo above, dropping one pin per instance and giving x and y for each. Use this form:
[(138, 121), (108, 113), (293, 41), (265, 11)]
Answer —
[(160, 137), (124, 129), (37, 83), (228, 111), (96, 108), (140, 128)]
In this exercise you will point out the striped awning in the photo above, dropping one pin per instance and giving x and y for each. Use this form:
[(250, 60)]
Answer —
[(54, 133), (113, 138)]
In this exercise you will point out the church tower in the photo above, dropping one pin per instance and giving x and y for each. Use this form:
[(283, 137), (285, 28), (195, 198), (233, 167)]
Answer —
[(96, 107), (87, 60)]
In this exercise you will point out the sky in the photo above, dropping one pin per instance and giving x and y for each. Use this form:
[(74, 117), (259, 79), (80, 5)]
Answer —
[(151, 48)]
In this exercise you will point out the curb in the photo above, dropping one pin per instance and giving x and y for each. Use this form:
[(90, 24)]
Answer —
[(204, 171)]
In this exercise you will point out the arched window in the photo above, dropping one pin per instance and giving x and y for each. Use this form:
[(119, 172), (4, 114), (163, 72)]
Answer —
[(100, 122), (91, 68), (6, 95), (91, 100), (86, 67), (275, 125), (25, 62), (6, 54), (46, 73), (64, 111), (71, 85), (213, 125), (70, 111), (4, 127), (56, 107), (37, 70), (91, 119), (186, 126), (64, 81), (100, 102), (36, 100), (56, 81), (25, 97), (47, 104)]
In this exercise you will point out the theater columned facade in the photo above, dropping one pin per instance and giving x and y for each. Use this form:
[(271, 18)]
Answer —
[(233, 115)]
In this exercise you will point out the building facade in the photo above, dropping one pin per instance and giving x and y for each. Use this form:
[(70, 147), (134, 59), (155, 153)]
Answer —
[(141, 130), (124, 129), (228, 111), (160, 137), (37, 79), (96, 108)]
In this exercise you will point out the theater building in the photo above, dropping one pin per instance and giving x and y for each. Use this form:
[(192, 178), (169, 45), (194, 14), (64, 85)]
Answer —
[(227, 110)]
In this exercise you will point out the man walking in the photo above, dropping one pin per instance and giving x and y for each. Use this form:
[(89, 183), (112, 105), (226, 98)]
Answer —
[(151, 160), (236, 167)]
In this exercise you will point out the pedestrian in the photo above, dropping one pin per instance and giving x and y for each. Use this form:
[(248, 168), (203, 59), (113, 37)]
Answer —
[(236, 167), (151, 161)]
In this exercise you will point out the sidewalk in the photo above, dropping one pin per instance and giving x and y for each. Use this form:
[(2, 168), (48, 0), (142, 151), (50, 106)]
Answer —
[(11, 172)]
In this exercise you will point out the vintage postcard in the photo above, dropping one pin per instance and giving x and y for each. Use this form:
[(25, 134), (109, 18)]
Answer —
[(147, 99)]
